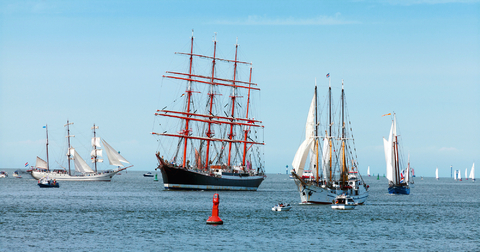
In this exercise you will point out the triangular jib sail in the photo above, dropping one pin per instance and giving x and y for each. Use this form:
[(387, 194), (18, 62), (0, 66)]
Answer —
[(80, 164), (114, 157)]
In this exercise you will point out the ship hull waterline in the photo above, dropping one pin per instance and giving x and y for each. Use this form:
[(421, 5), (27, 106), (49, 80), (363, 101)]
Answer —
[(399, 190), (179, 178), (313, 194), (65, 177)]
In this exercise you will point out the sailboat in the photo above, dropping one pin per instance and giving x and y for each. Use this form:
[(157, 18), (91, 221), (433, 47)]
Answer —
[(436, 173), (396, 183), (472, 173), (216, 137), (368, 171), (339, 174), (466, 174), (83, 170), (459, 175)]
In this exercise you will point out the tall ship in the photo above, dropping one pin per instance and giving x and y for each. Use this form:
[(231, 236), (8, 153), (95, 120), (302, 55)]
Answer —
[(398, 183), (331, 157), (82, 172), (210, 137)]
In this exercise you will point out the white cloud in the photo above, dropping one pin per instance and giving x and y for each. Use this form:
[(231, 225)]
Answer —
[(263, 20), (448, 149)]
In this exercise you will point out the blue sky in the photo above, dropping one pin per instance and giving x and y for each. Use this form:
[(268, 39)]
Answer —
[(102, 62)]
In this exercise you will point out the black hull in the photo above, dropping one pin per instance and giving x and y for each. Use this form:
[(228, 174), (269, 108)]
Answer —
[(178, 178), (48, 186)]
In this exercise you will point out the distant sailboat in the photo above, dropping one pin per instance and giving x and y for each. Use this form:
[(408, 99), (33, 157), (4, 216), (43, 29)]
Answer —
[(396, 183), (368, 171), (436, 173), (459, 175), (466, 174), (472, 173)]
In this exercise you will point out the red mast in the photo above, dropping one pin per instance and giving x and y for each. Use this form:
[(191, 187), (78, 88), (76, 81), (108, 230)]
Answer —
[(247, 128), (211, 117), (230, 136), (189, 95), (211, 95)]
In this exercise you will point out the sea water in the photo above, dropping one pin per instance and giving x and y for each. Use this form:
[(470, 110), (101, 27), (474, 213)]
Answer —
[(135, 213)]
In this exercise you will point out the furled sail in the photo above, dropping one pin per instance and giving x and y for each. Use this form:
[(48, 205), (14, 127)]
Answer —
[(472, 172), (80, 164), (41, 163), (114, 157)]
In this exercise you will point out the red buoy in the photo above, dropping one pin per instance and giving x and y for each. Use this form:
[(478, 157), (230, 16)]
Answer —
[(214, 219)]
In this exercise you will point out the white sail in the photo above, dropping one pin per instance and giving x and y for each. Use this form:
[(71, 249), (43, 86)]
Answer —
[(459, 175), (302, 153), (436, 173), (71, 152), (96, 152), (114, 157), (466, 173), (389, 157), (472, 172), (96, 142), (41, 163), (80, 164), (326, 158), (313, 163), (368, 171), (407, 174), (301, 156), (310, 125)]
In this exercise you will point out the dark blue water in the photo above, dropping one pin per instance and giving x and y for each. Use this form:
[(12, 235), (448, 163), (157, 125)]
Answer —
[(134, 213)]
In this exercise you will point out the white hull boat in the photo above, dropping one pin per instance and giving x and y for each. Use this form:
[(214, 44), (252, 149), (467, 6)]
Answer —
[(313, 194), (343, 202), (104, 176), (334, 169), (281, 207), (83, 170)]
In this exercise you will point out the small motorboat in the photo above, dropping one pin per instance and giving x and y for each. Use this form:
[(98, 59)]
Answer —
[(3, 174), (343, 202), (16, 174), (281, 207), (46, 182), (148, 174)]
